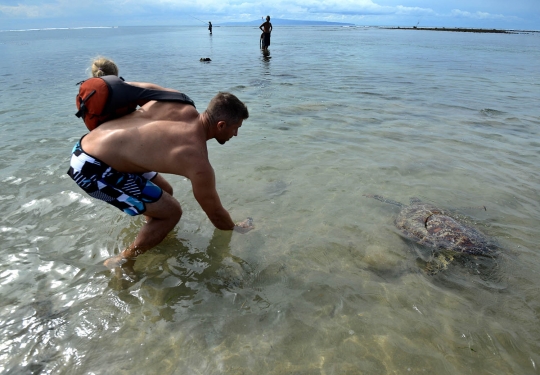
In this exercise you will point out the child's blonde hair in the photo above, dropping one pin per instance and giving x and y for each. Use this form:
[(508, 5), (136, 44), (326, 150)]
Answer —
[(101, 66)]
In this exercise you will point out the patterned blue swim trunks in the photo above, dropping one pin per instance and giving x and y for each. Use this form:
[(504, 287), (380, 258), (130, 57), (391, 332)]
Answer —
[(127, 191)]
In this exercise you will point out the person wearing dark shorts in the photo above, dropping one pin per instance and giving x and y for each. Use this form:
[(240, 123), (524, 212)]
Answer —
[(266, 29)]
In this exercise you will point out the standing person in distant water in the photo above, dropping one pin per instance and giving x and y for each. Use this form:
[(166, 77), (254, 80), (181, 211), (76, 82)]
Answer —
[(210, 26), (266, 29)]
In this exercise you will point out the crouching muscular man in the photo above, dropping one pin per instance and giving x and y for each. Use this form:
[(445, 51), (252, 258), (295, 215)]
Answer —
[(113, 163)]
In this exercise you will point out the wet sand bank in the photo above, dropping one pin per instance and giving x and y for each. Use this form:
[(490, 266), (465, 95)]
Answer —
[(464, 30)]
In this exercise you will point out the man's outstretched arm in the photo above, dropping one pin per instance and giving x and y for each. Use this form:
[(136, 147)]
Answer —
[(204, 189)]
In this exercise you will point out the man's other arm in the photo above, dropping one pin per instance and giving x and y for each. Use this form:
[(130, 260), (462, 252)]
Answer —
[(153, 86)]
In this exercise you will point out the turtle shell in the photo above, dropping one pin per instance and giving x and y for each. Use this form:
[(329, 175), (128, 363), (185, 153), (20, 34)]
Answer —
[(427, 225)]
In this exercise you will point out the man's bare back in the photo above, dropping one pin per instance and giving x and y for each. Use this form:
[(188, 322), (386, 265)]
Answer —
[(138, 143), (266, 27), (163, 137)]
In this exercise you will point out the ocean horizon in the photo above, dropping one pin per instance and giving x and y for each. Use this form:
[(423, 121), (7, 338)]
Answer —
[(284, 23)]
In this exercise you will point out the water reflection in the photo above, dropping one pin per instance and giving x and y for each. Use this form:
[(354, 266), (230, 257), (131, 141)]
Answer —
[(181, 275), (35, 327), (266, 56)]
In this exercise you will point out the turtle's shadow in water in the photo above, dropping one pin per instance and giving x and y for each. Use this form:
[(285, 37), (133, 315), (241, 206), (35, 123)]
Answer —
[(451, 268), (446, 268)]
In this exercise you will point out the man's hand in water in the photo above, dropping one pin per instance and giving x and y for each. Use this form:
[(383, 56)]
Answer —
[(122, 267), (244, 226)]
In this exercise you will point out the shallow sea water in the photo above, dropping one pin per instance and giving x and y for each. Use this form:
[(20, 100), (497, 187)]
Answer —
[(325, 284)]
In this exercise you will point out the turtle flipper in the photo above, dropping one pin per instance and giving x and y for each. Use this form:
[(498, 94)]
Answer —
[(382, 199), (440, 262)]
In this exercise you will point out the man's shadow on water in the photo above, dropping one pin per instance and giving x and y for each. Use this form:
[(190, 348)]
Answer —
[(174, 273)]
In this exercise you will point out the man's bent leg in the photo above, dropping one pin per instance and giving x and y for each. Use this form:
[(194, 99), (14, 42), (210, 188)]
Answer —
[(162, 216), (160, 181)]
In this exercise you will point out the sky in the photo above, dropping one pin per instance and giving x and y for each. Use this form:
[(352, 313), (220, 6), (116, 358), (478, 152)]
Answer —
[(497, 14)]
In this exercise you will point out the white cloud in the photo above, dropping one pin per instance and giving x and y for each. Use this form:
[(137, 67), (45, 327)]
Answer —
[(475, 15), (368, 11), (57, 8), (401, 10), (31, 8), (28, 11)]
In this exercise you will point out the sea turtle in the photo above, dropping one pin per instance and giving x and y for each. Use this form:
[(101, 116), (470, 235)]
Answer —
[(430, 226)]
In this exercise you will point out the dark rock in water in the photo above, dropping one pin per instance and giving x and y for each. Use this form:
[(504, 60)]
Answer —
[(430, 226), (205, 59)]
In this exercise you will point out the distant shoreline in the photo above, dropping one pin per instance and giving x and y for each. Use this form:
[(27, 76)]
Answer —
[(463, 30)]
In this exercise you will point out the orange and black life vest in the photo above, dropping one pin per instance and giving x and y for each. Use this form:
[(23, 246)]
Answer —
[(109, 97)]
